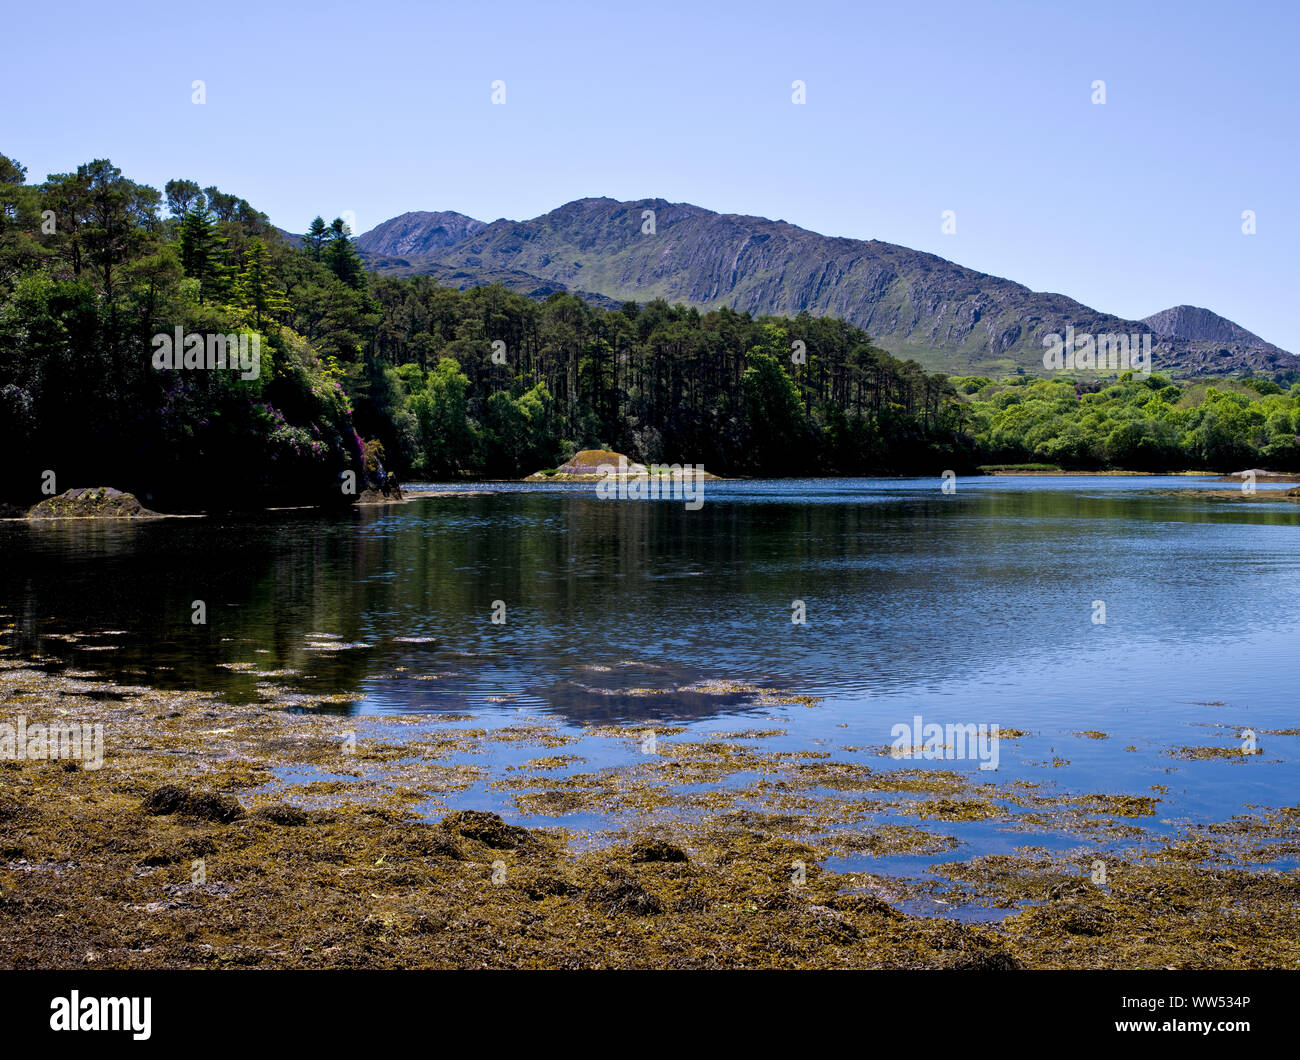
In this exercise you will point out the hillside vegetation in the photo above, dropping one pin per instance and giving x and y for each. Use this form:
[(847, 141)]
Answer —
[(374, 375)]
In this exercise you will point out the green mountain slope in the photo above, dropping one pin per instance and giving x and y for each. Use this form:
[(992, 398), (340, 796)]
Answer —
[(913, 304)]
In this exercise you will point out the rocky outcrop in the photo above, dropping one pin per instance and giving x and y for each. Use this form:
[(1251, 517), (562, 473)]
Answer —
[(587, 465), (389, 493), (100, 502), (1200, 325)]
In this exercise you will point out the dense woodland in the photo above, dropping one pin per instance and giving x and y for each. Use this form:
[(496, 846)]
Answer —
[(1137, 424), (401, 376)]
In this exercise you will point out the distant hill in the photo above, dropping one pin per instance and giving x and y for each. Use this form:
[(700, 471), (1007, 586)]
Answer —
[(913, 304)]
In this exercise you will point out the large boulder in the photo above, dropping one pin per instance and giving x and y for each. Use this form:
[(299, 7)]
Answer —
[(585, 466), (388, 493), (97, 502)]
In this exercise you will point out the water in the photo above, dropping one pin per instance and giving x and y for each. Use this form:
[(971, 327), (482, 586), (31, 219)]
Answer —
[(975, 607)]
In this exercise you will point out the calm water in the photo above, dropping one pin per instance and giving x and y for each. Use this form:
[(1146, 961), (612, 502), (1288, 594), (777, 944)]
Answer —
[(974, 607)]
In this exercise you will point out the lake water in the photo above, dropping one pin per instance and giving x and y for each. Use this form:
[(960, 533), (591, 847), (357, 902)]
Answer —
[(975, 607)]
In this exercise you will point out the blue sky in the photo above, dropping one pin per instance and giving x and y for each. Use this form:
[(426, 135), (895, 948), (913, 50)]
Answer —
[(912, 109)]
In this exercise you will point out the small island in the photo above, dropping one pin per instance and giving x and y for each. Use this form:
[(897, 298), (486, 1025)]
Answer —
[(595, 465)]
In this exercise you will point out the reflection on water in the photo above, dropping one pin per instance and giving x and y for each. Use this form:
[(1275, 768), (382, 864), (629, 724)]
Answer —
[(976, 607)]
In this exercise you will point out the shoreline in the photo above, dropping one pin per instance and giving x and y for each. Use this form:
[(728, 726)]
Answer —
[(407, 498), (188, 849), (424, 489)]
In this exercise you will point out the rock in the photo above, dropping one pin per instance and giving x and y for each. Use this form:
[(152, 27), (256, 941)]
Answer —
[(100, 502), (204, 805), (282, 813), (657, 850), (1199, 325), (422, 840), (990, 960), (821, 921), (165, 800), (585, 466), (864, 905), (589, 462), (623, 894), (549, 885), (488, 829), (13, 811), (389, 493), (1076, 918)]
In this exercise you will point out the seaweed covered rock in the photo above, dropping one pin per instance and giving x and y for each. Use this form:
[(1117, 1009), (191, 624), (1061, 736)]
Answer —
[(1078, 918), (13, 811), (389, 492), (283, 814), (986, 960), (825, 924), (423, 840), (488, 829), (651, 850), (623, 893), (204, 805), (99, 502)]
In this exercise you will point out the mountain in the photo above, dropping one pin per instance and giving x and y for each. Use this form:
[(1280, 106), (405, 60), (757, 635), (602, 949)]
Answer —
[(418, 233), (913, 304), (1199, 325), (464, 277)]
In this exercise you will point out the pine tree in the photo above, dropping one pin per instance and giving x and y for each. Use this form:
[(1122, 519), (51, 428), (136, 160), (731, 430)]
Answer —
[(19, 220), (182, 197), (201, 249), (342, 257), (255, 287), (314, 240)]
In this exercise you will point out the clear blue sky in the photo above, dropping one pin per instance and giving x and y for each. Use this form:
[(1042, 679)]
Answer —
[(912, 109)]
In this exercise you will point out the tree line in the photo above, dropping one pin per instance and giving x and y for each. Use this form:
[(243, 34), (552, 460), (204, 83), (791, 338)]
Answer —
[(369, 374), (377, 375), (1136, 423)]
